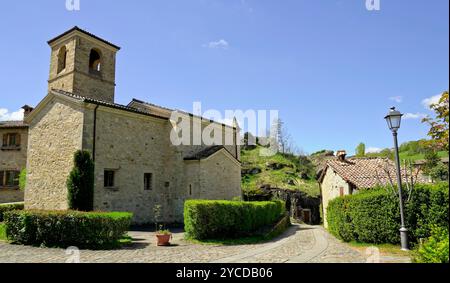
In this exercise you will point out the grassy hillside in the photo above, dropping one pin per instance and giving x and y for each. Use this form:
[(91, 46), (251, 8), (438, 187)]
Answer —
[(288, 172)]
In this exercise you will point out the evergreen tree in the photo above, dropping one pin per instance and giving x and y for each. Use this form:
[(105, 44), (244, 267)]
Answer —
[(80, 184)]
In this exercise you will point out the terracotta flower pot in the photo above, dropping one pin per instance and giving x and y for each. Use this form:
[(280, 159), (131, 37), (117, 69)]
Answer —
[(163, 239)]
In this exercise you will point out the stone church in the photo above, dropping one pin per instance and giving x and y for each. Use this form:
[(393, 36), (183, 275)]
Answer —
[(136, 165)]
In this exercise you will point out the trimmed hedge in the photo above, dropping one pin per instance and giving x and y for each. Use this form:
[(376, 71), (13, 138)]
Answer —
[(373, 216), (95, 230), (4, 207), (211, 219)]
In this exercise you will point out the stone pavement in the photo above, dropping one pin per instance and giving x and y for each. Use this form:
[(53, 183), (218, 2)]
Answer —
[(299, 244)]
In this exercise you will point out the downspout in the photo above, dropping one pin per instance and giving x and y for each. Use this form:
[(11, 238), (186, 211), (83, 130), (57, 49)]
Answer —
[(94, 133)]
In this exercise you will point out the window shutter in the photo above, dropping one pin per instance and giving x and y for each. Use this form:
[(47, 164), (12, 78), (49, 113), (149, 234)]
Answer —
[(5, 139), (2, 173), (18, 139)]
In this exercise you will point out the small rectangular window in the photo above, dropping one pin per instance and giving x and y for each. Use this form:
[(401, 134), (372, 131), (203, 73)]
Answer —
[(341, 191), (11, 140), (109, 178), (148, 181), (9, 178)]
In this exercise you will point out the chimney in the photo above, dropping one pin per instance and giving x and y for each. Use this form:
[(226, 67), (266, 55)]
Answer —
[(27, 110), (341, 154)]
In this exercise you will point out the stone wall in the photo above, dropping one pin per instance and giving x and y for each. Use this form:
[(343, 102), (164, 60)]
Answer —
[(131, 145), (330, 187), (76, 77), (14, 160), (220, 178), (55, 134)]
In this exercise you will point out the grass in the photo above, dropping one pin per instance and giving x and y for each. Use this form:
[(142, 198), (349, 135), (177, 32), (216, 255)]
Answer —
[(275, 178), (3, 232), (385, 249), (407, 156)]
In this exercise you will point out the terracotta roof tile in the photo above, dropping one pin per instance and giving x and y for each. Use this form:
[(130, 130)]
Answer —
[(13, 124), (368, 172)]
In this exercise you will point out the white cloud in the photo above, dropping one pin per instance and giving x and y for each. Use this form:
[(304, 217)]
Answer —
[(397, 99), (5, 115), (427, 102), (410, 116), (222, 43), (373, 150)]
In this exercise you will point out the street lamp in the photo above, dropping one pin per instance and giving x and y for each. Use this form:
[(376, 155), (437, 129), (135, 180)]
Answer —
[(394, 119)]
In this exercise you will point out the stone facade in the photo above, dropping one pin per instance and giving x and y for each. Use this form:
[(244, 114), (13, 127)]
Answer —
[(55, 133), (78, 76), (131, 143), (12, 159), (332, 186)]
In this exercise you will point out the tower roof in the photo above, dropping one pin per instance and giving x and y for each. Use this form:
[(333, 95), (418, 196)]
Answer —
[(77, 29)]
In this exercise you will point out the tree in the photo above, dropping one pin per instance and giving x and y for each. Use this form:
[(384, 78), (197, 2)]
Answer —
[(361, 150), (23, 179), (439, 126), (80, 183)]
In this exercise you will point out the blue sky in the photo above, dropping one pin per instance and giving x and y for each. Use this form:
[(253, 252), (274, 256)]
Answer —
[(331, 67)]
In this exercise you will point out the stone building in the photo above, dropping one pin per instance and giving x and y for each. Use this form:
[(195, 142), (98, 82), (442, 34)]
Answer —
[(136, 165), (13, 157), (342, 176)]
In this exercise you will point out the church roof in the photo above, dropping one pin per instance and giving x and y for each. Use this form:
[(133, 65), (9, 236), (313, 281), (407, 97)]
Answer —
[(106, 104), (12, 124), (205, 152), (75, 28), (166, 110)]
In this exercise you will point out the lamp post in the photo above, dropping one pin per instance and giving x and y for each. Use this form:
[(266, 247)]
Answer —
[(394, 119)]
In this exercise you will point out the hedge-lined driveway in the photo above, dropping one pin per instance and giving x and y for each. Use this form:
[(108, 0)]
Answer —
[(300, 243)]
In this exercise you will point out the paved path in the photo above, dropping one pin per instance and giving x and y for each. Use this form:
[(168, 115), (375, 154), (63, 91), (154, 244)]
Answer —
[(300, 243)]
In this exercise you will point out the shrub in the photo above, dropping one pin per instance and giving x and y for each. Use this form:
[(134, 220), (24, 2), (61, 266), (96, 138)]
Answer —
[(67, 228), (373, 216), (9, 207), (80, 183), (339, 222), (435, 249), (23, 179), (209, 219)]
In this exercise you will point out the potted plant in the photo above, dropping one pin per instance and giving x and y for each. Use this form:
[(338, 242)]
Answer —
[(163, 236)]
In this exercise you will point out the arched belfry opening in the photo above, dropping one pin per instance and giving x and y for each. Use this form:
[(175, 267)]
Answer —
[(62, 57), (95, 61)]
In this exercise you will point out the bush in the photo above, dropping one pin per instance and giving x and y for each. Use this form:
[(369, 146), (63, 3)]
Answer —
[(80, 183), (435, 249), (209, 219), (373, 216), (23, 179), (94, 230), (10, 207)]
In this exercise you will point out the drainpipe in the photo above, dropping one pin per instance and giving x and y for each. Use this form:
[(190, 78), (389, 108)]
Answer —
[(94, 133)]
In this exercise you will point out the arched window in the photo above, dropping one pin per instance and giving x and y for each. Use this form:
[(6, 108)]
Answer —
[(95, 63), (62, 55)]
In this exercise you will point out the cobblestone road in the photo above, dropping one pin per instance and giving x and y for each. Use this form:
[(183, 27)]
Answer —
[(301, 243)]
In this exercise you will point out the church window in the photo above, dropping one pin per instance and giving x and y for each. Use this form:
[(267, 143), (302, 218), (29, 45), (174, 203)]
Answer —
[(62, 56), (95, 63), (109, 178), (148, 181)]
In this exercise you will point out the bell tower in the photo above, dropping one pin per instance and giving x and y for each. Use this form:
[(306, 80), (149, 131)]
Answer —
[(83, 64)]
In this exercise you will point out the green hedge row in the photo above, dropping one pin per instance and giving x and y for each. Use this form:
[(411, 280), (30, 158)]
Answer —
[(209, 219), (373, 216), (94, 230), (4, 207)]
